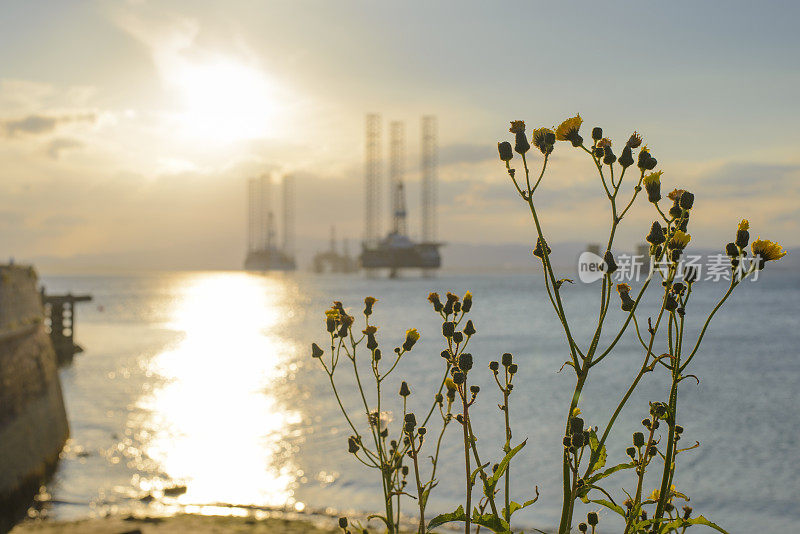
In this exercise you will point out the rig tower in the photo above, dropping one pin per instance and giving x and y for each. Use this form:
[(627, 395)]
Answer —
[(397, 251), (263, 252)]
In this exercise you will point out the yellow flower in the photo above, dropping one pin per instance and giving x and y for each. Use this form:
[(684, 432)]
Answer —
[(657, 494), (744, 225), (675, 194), (451, 386), (679, 240), (370, 330), (568, 129), (767, 251), (332, 313), (576, 412), (604, 142), (652, 184)]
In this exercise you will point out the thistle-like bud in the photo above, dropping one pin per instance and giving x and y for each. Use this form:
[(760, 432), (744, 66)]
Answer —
[(376, 355), (652, 184), (342, 522), (352, 445), (433, 298), (521, 144), (465, 361), (409, 423), (631, 451), (577, 440), (404, 390), (732, 250), (458, 337), (466, 306), (597, 133), (494, 366), (687, 200), (671, 302), (582, 527), (439, 399), (412, 336), (448, 328), (656, 235), (369, 302), (316, 352), (626, 158), (638, 439), (634, 141), (608, 156), (506, 359), (687, 512), (459, 377), (504, 149), (624, 294), (575, 425), (449, 306), (474, 389), (512, 369), (469, 328), (742, 238), (591, 517), (372, 343)]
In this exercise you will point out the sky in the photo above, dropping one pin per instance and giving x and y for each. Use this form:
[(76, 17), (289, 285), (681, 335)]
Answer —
[(128, 129)]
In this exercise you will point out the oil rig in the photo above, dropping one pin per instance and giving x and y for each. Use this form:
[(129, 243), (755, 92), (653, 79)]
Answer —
[(397, 250), (334, 261), (263, 251)]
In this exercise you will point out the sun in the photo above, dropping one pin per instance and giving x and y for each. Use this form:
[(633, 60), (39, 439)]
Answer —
[(224, 100)]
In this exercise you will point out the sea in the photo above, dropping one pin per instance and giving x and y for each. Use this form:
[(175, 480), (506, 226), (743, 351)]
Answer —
[(197, 392)]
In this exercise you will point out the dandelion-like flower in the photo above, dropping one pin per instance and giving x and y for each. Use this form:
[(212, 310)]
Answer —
[(766, 250), (744, 224), (679, 240), (412, 336), (544, 139), (568, 130), (517, 127)]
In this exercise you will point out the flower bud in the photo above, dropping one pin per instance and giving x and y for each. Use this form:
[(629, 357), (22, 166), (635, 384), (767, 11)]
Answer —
[(597, 133), (469, 329), (582, 527), (591, 517), (638, 439), (631, 451), (459, 377), (521, 144), (404, 390), (433, 298), (352, 445), (577, 440), (412, 336), (656, 235), (342, 522), (467, 304), (742, 238), (512, 369), (671, 303), (316, 352), (448, 328), (687, 200), (474, 389), (626, 159), (506, 359), (494, 366), (575, 425), (369, 302), (504, 149), (732, 250), (465, 361), (372, 343), (652, 184), (376, 355), (608, 156), (540, 249), (449, 306), (458, 337)]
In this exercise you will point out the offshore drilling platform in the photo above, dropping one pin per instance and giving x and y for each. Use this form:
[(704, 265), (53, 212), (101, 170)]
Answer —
[(397, 250), (264, 253)]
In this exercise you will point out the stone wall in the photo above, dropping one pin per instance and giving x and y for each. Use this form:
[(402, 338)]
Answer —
[(33, 422)]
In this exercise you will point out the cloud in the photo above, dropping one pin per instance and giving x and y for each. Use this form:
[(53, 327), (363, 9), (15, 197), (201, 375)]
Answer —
[(57, 146), (43, 124), (465, 153)]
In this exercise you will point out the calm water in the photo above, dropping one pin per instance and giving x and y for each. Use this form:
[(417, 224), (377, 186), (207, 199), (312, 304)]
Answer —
[(205, 380)]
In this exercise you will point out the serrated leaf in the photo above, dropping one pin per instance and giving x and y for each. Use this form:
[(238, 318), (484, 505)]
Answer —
[(441, 519), (490, 521), (598, 456)]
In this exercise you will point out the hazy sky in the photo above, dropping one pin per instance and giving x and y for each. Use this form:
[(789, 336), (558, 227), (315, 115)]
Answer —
[(128, 128)]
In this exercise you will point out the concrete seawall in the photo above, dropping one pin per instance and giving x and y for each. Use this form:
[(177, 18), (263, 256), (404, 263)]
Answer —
[(33, 422)]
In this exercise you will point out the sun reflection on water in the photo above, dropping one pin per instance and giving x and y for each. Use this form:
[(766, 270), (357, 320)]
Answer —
[(217, 425)]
